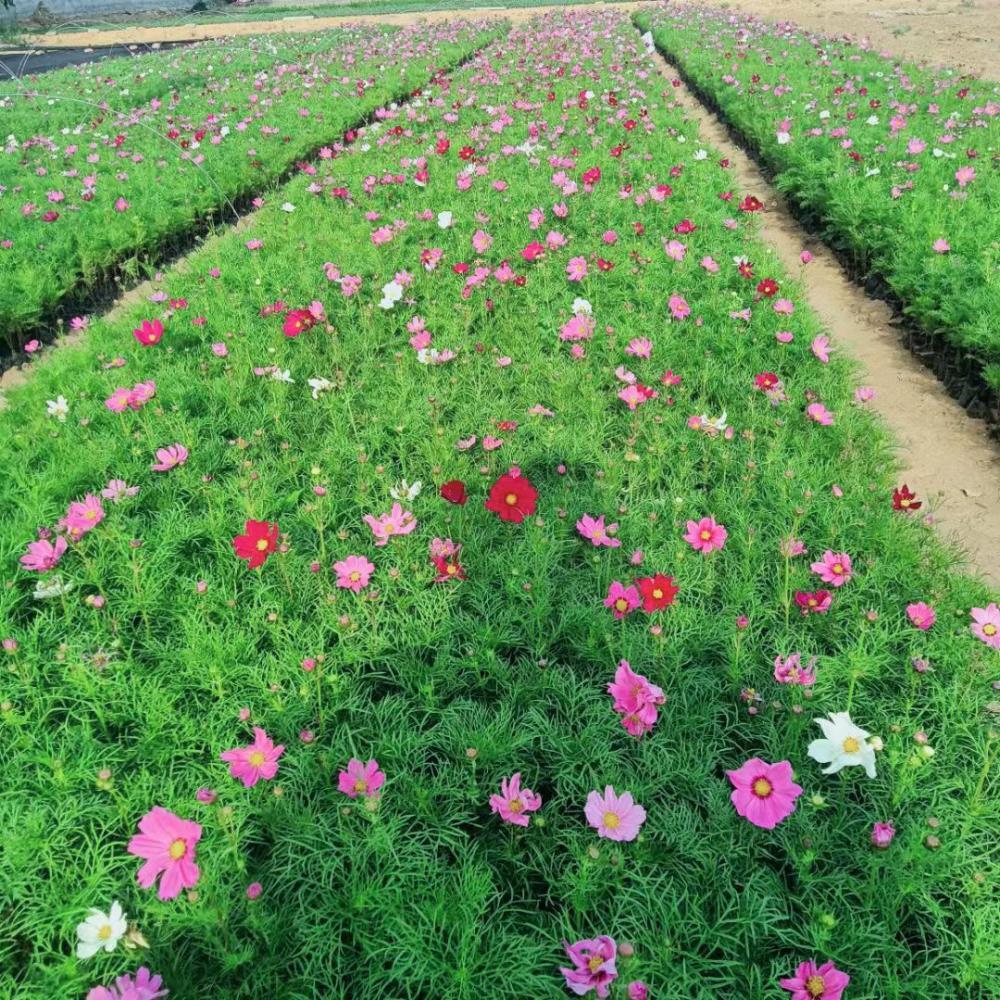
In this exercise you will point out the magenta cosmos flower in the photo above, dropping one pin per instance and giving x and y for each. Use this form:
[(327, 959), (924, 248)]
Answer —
[(921, 614), (83, 516), (514, 802), (621, 599), (43, 555), (169, 457), (764, 793), (812, 982), (259, 760), (616, 817), (145, 986), (594, 530), (167, 843), (353, 573), (593, 965), (833, 568), (706, 535), (986, 624), (882, 834), (396, 522), (361, 779), (635, 699)]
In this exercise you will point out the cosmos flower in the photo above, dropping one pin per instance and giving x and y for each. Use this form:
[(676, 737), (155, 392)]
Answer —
[(167, 844), (514, 802), (616, 817), (361, 779), (843, 745), (593, 966), (255, 762), (512, 497), (259, 540), (764, 793)]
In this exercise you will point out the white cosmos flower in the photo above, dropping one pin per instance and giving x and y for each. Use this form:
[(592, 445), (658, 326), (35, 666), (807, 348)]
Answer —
[(319, 385), (54, 588), (100, 931), (406, 491), (444, 220), (282, 375), (700, 154), (581, 306), (391, 294), (58, 408), (843, 745), (784, 138), (287, 207)]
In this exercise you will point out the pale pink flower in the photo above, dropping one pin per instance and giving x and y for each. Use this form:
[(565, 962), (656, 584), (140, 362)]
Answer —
[(615, 817), (883, 834), (257, 761), (679, 308), (82, 516), (594, 530), (833, 568), (821, 348), (706, 535), (396, 522), (169, 458), (789, 670), (117, 490), (593, 966), (819, 413), (514, 802), (361, 779), (640, 347), (941, 246), (353, 573), (576, 269), (44, 555), (986, 625)]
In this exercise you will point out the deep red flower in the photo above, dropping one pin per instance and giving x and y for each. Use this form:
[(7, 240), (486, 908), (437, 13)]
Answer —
[(685, 226), (507, 425), (766, 381), (767, 287), (448, 569), (454, 492), (466, 153), (813, 602), (533, 251), (512, 497), (604, 265), (297, 321), (745, 268), (657, 591), (443, 145), (591, 176), (903, 499), (259, 540), (751, 204)]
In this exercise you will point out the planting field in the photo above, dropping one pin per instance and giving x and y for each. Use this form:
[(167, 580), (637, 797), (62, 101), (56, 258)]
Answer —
[(893, 163), (479, 575), (106, 164)]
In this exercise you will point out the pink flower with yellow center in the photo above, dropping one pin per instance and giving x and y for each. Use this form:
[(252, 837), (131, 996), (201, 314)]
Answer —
[(353, 573), (167, 843), (255, 762), (514, 802), (615, 817), (706, 535), (833, 568), (764, 793), (621, 599)]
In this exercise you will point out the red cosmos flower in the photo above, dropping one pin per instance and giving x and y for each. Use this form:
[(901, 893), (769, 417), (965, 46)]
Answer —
[(442, 147), (810, 602), (296, 321), (630, 124), (460, 268), (604, 265), (50, 216), (533, 251), (657, 591), (903, 499), (665, 189), (746, 268), (617, 151), (685, 226), (466, 153), (454, 492), (591, 176), (751, 204), (149, 332), (766, 381), (259, 540), (512, 497), (767, 287), (669, 378), (448, 569), (506, 425)]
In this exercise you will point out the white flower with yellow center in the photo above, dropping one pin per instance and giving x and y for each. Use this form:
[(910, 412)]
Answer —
[(406, 491), (100, 931), (844, 745)]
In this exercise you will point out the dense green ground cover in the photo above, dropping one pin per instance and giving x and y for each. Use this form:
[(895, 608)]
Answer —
[(895, 162), (104, 166), (120, 694)]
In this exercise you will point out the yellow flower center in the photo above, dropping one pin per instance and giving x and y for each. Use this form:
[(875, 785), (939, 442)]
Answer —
[(261, 544), (452, 569), (510, 499), (389, 528), (838, 568), (705, 535), (594, 962), (762, 788), (515, 805), (105, 932), (815, 987), (989, 629), (612, 821), (360, 785), (178, 849), (256, 758), (904, 502), (657, 593), (355, 576), (90, 515), (598, 533), (851, 745), (621, 604)]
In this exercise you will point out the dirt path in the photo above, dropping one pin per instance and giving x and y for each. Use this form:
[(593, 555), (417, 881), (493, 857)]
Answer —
[(946, 455)]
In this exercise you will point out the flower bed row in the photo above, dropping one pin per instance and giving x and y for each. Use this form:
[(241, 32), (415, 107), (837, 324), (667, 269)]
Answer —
[(483, 577), (94, 177), (890, 161)]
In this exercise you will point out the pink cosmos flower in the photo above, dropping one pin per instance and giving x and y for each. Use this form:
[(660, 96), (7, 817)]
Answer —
[(621, 599), (593, 530), (169, 457), (810, 602), (167, 843), (593, 966), (145, 986), (706, 535), (792, 546), (481, 241), (864, 394), (986, 624), (514, 802), (44, 555), (353, 573), (789, 670), (118, 401), (922, 615), (117, 490), (821, 348), (259, 760), (396, 522), (819, 413), (361, 779), (637, 990), (882, 834), (965, 175), (636, 699), (812, 982), (764, 793), (941, 246), (82, 516), (616, 817), (576, 269), (679, 308), (833, 568), (640, 347)]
